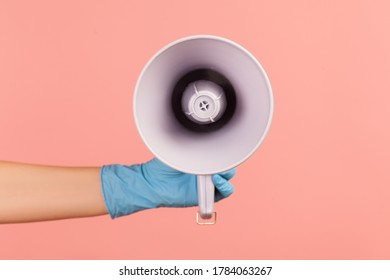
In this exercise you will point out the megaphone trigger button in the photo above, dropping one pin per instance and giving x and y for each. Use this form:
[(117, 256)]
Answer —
[(209, 221)]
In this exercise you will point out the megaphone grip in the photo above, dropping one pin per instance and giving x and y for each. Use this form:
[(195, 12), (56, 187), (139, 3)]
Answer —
[(206, 192)]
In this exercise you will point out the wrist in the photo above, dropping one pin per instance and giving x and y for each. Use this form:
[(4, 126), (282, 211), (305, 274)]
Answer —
[(124, 190)]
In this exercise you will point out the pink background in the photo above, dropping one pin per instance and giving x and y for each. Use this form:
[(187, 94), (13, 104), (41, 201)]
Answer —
[(319, 186)]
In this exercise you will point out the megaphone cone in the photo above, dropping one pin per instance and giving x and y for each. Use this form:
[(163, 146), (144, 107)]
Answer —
[(203, 105)]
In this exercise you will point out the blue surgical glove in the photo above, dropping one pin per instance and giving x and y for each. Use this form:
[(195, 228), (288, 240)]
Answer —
[(128, 189)]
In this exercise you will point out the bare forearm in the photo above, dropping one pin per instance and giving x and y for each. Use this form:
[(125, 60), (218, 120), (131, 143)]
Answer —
[(35, 193)]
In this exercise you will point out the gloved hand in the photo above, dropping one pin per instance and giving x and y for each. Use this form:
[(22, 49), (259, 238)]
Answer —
[(128, 189)]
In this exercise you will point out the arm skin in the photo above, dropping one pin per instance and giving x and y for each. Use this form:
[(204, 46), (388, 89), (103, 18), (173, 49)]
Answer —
[(30, 193)]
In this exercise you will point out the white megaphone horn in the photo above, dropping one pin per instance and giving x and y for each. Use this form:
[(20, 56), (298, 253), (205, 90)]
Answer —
[(203, 105)]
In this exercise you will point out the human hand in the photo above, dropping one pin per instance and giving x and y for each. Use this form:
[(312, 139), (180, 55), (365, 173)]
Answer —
[(129, 189)]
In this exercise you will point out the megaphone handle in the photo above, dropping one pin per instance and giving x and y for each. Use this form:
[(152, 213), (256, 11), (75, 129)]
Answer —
[(205, 196)]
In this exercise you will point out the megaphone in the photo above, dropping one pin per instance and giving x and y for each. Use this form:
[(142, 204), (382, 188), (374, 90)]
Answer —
[(202, 105)]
